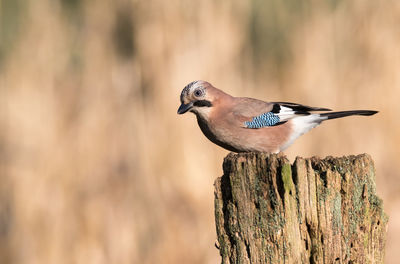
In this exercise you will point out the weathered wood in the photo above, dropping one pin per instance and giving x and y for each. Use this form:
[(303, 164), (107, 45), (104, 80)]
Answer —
[(314, 211)]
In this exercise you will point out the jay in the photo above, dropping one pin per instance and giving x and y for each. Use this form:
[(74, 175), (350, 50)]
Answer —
[(242, 124)]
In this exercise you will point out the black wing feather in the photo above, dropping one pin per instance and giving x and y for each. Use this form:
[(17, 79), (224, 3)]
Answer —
[(298, 108)]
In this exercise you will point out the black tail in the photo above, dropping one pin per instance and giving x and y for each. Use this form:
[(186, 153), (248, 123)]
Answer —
[(333, 115)]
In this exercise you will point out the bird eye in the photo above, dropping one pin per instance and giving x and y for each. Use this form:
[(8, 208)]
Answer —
[(198, 93)]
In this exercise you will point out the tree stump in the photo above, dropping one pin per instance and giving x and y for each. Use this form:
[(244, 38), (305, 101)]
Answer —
[(314, 211)]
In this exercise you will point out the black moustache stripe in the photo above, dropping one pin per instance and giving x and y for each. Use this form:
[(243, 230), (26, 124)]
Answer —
[(202, 103)]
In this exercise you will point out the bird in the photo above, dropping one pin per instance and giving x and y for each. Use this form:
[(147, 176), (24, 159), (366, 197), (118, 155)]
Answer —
[(242, 124)]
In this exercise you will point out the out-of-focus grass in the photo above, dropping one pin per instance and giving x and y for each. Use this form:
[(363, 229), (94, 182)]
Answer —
[(95, 165)]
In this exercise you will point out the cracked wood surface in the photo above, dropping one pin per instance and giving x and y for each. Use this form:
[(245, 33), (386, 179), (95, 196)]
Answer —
[(312, 211)]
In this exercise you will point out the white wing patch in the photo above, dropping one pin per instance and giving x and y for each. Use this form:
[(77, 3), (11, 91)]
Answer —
[(286, 113), (301, 125)]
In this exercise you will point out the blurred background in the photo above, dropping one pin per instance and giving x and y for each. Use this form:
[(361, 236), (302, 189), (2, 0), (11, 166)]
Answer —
[(95, 164)]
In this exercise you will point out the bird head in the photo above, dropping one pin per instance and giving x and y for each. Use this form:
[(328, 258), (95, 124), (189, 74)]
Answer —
[(197, 98)]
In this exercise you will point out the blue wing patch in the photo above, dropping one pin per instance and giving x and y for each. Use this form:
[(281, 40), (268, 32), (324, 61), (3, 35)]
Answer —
[(264, 120)]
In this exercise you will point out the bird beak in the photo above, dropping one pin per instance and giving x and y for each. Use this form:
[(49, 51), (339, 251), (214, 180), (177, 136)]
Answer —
[(184, 108)]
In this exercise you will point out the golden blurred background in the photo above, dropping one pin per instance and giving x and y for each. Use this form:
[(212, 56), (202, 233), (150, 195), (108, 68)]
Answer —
[(95, 164)]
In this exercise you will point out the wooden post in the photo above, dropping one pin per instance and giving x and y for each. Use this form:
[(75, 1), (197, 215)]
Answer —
[(314, 211)]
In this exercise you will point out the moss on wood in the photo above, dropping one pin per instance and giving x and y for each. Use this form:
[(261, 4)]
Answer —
[(313, 211)]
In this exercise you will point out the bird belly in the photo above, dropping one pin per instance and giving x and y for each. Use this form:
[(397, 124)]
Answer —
[(215, 136), (240, 139)]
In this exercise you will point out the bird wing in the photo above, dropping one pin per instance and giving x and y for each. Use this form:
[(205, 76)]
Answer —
[(244, 107), (273, 114)]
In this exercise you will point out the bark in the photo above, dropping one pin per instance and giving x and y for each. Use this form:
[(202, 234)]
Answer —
[(314, 211)]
